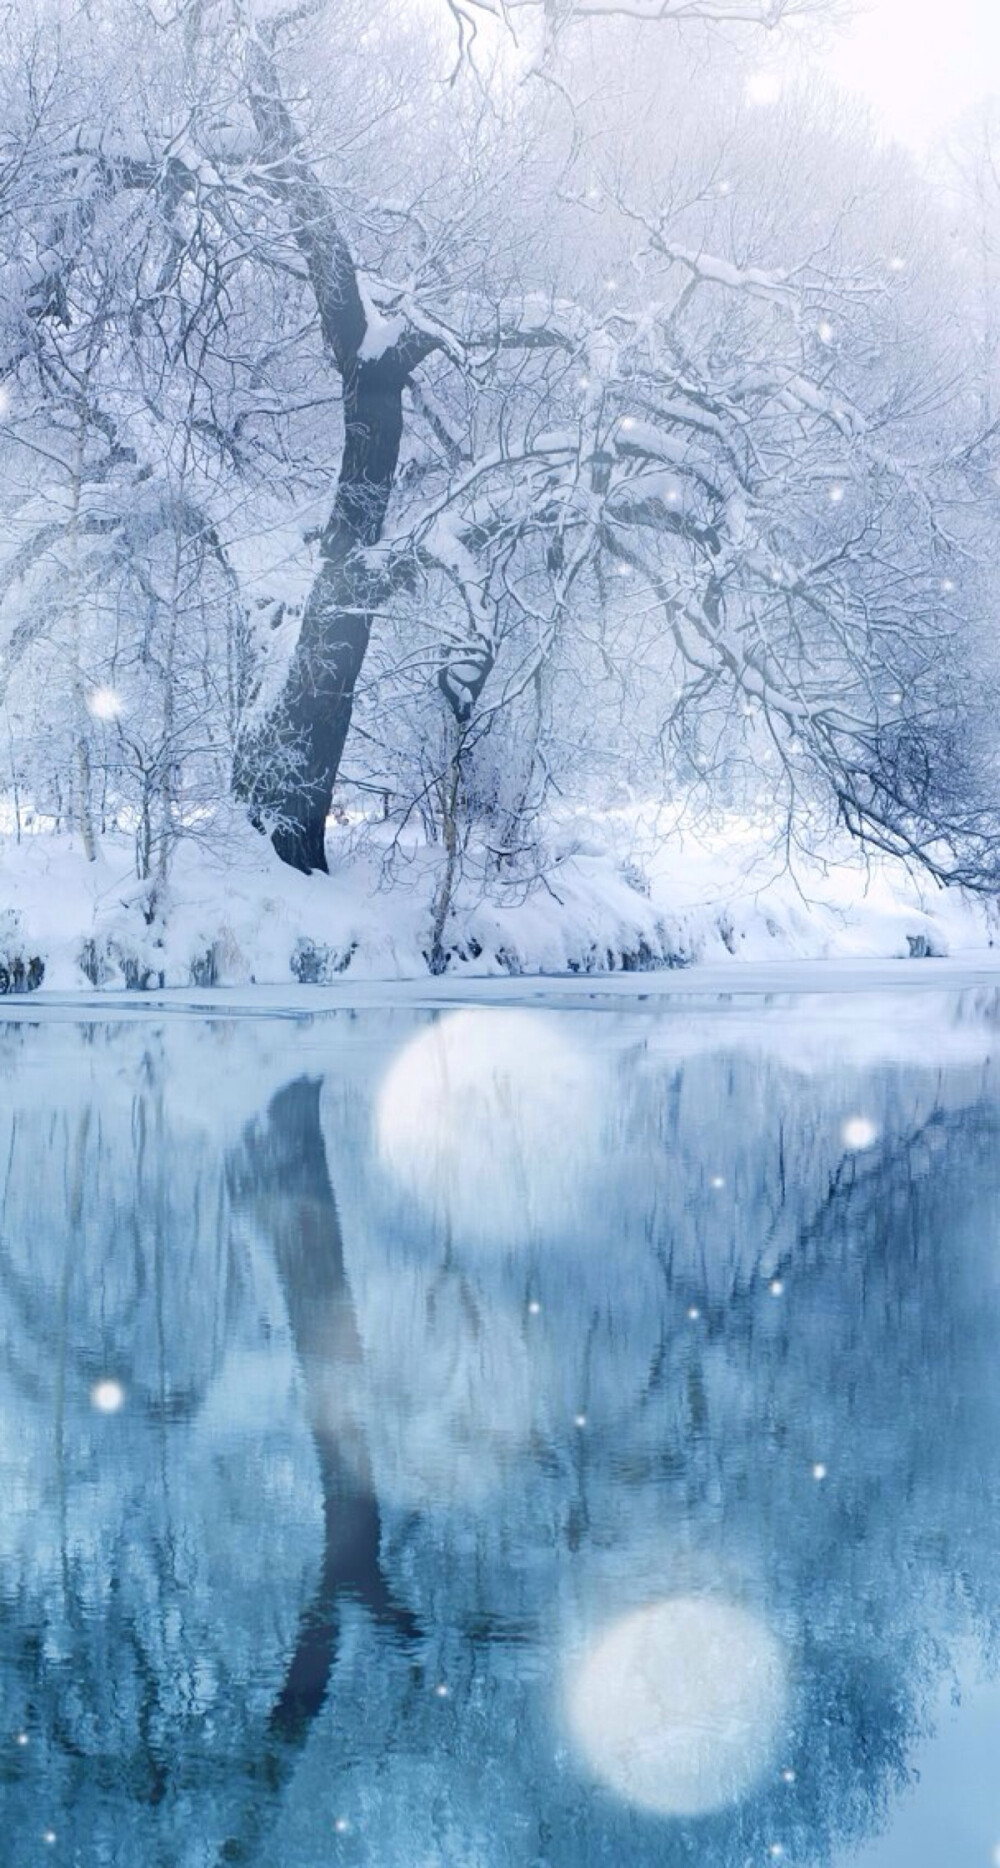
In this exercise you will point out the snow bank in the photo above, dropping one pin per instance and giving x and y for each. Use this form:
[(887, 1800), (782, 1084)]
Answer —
[(616, 897)]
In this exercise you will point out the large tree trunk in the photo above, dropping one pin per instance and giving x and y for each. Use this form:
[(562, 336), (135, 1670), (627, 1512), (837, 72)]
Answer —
[(289, 767)]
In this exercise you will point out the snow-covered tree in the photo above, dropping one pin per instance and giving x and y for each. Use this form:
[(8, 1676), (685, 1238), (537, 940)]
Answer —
[(506, 372)]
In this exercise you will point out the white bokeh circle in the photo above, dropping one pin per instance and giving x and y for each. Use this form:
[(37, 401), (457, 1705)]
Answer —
[(678, 1707), (490, 1119), (859, 1133)]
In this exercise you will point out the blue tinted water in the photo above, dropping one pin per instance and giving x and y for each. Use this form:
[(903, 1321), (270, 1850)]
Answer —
[(502, 1436)]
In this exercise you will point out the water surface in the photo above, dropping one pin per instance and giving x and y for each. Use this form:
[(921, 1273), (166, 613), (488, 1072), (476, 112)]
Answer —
[(502, 1436)]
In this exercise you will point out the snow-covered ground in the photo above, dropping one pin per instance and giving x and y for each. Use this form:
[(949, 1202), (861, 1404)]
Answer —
[(616, 898)]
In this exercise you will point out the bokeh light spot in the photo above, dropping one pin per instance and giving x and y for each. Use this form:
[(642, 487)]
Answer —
[(677, 1707)]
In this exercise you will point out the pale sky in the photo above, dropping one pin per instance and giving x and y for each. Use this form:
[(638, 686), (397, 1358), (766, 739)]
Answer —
[(920, 63)]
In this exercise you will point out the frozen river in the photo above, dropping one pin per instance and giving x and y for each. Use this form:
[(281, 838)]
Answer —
[(560, 1427)]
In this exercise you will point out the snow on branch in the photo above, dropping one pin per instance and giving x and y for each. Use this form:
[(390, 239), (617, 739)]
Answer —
[(710, 270), (463, 673)]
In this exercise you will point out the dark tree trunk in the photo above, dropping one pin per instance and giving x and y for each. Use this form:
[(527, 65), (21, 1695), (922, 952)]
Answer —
[(288, 771)]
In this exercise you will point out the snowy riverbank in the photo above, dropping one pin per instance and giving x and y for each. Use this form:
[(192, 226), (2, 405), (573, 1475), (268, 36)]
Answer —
[(614, 900)]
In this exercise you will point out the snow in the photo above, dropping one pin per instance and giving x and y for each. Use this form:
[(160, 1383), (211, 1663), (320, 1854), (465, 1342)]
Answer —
[(104, 704), (720, 271), (622, 896), (381, 331)]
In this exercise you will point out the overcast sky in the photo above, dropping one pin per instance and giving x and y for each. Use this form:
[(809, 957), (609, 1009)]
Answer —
[(921, 62)]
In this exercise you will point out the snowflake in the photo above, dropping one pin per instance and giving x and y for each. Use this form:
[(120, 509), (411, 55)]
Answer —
[(104, 704), (107, 1397), (859, 1132)]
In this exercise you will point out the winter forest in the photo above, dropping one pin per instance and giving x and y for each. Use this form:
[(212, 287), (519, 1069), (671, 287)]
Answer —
[(499, 858), (475, 447)]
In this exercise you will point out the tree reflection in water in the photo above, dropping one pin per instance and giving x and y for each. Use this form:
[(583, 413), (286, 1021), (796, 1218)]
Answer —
[(349, 1469), (283, 1177)]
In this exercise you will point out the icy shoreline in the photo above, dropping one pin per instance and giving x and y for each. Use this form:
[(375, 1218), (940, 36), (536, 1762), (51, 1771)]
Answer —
[(707, 984), (619, 910)]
